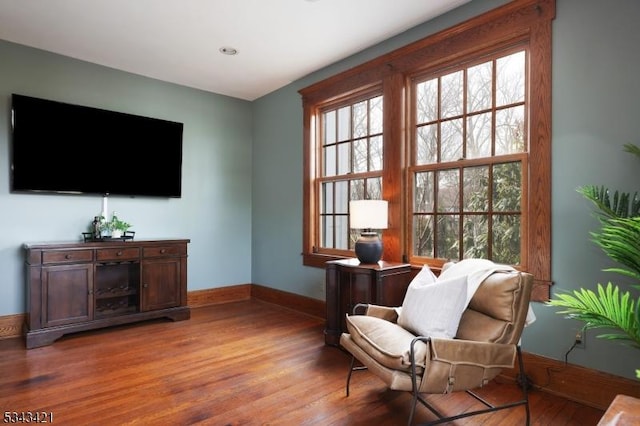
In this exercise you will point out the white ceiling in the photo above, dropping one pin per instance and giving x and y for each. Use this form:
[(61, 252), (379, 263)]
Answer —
[(278, 41)]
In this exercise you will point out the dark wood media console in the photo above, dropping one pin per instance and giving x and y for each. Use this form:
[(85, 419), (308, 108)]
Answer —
[(82, 286)]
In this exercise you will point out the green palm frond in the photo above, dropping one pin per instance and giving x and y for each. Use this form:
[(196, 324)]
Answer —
[(620, 205), (633, 149), (620, 240), (608, 308)]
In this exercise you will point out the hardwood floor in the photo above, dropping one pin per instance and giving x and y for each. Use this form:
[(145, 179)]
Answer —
[(244, 363)]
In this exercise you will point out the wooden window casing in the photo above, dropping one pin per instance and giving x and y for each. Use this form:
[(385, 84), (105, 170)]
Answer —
[(518, 23), (469, 122), (349, 167)]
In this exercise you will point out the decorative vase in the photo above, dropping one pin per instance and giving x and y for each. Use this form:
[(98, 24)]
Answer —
[(116, 233), (368, 248)]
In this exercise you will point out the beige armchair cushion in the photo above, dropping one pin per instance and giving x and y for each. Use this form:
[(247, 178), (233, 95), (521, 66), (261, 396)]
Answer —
[(384, 312), (493, 311), (386, 342), (495, 296)]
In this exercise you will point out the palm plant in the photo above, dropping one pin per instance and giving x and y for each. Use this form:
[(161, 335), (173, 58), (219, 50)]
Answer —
[(619, 238)]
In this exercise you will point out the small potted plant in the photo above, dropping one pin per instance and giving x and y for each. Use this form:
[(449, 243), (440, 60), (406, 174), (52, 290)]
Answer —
[(116, 226)]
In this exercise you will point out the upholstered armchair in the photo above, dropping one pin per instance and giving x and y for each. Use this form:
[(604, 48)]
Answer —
[(461, 349)]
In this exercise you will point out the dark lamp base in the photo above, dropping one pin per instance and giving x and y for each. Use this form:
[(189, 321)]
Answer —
[(368, 248)]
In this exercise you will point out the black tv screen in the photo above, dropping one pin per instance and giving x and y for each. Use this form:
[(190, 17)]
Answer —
[(64, 148)]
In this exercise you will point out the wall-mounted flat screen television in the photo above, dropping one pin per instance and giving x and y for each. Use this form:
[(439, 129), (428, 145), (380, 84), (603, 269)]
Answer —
[(58, 147)]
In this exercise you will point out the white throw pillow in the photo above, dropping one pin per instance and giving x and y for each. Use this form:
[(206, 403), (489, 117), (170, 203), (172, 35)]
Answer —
[(434, 309), (424, 277)]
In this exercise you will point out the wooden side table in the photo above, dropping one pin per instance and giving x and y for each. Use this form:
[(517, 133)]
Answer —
[(623, 411), (348, 282)]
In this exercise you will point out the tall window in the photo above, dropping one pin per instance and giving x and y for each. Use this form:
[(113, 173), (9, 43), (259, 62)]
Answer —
[(350, 166), (454, 131), (469, 150)]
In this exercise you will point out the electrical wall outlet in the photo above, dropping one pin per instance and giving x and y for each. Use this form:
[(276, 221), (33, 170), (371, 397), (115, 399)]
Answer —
[(581, 337)]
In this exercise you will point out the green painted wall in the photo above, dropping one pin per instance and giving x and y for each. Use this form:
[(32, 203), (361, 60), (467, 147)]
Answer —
[(595, 94), (215, 208)]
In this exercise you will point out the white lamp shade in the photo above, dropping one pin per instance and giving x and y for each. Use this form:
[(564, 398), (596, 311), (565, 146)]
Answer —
[(368, 214)]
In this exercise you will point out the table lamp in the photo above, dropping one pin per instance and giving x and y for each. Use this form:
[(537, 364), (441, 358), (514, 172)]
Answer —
[(368, 215)]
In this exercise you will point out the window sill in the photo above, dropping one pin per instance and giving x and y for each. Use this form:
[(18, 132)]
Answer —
[(318, 260)]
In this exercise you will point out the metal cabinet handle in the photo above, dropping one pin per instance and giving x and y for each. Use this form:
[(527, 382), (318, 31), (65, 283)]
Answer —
[(67, 256)]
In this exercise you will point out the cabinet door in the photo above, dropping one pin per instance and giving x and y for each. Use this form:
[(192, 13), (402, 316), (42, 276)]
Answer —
[(362, 288), (355, 287), (67, 294), (391, 287), (160, 284)]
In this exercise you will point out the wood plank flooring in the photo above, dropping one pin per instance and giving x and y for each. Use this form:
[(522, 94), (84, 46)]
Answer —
[(244, 363)]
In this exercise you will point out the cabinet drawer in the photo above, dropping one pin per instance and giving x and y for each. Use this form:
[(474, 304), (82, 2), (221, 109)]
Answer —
[(174, 250), (118, 254), (66, 256)]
